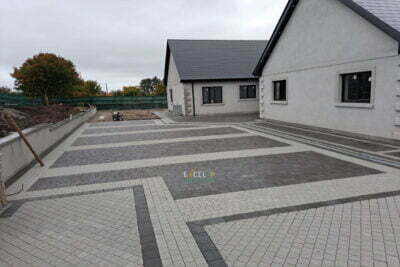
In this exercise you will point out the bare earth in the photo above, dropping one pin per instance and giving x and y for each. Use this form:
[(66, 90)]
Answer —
[(26, 117)]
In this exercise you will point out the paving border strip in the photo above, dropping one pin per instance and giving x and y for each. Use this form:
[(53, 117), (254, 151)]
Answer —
[(352, 152), (150, 252), (210, 251)]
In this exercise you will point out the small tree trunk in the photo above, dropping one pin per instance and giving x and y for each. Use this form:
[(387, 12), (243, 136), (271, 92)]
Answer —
[(46, 99)]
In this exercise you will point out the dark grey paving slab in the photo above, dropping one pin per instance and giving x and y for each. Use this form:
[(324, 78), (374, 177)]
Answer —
[(381, 140), (330, 138), (215, 118), (207, 247), (150, 253), (120, 123), (134, 128), (116, 154), (394, 154), (231, 175), (121, 138)]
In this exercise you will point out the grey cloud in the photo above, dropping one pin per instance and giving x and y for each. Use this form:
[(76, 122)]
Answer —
[(122, 41)]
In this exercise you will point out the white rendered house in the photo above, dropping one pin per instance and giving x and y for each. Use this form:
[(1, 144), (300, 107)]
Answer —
[(205, 77), (334, 64)]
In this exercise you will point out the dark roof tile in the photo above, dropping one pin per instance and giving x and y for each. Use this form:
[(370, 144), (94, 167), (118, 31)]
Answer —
[(216, 59)]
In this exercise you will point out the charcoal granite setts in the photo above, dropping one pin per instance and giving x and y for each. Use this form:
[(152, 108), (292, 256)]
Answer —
[(360, 144), (117, 154), (120, 138), (231, 175), (134, 128)]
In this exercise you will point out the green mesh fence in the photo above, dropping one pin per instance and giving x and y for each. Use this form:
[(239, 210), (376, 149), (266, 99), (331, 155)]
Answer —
[(101, 102)]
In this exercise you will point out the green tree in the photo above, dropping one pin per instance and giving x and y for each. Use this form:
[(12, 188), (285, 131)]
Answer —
[(47, 76), (133, 91), (92, 87), (149, 85)]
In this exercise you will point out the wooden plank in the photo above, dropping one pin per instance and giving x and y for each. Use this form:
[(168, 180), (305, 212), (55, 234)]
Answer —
[(3, 195), (12, 123)]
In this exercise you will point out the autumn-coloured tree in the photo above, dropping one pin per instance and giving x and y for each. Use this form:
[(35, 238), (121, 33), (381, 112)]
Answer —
[(87, 88), (160, 90), (4, 90), (118, 93), (132, 91), (47, 76)]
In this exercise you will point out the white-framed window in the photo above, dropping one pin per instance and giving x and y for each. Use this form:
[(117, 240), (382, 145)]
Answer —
[(279, 91), (248, 91)]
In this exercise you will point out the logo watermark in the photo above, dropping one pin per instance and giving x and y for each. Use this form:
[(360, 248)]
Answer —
[(199, 176)]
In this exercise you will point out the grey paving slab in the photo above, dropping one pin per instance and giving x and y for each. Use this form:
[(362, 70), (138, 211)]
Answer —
[(357, 233), (121, 138), (86, 215), (122, 123), (229, 175), (361, 144), (106, 155), (97, 229), (99, 130)]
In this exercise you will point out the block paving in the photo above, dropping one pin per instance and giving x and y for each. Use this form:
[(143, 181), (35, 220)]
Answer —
[(147, 193)]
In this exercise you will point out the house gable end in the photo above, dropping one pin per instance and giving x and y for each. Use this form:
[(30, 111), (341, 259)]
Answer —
[(344, 7)]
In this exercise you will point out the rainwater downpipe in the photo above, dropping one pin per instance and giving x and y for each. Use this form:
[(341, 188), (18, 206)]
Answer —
[(193, 102)]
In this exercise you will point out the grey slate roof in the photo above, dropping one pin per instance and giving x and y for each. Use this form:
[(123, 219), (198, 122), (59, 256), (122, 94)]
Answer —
[(384, 14), (214, 59), (386, 10)]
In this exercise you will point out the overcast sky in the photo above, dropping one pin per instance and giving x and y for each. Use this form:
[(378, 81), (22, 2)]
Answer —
[(119, 42)]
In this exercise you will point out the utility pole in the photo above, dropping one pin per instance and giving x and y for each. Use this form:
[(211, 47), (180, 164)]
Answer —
[(106, 89)]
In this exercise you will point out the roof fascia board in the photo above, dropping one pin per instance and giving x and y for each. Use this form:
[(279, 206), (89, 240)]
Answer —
[(219, 80), (166, 66), (284, 19)]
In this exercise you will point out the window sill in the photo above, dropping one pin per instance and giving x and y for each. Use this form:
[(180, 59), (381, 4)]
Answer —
[(355, 105), (213, 104), (248, 99), (279, 102)]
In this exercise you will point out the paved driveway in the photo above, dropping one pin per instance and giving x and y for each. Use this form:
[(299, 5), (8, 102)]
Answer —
[(146, 193)]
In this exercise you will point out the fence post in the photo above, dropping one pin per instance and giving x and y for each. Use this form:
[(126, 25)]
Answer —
[(3, 196)]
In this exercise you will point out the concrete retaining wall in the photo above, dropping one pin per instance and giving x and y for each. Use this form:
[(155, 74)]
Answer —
[(17, 158)]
